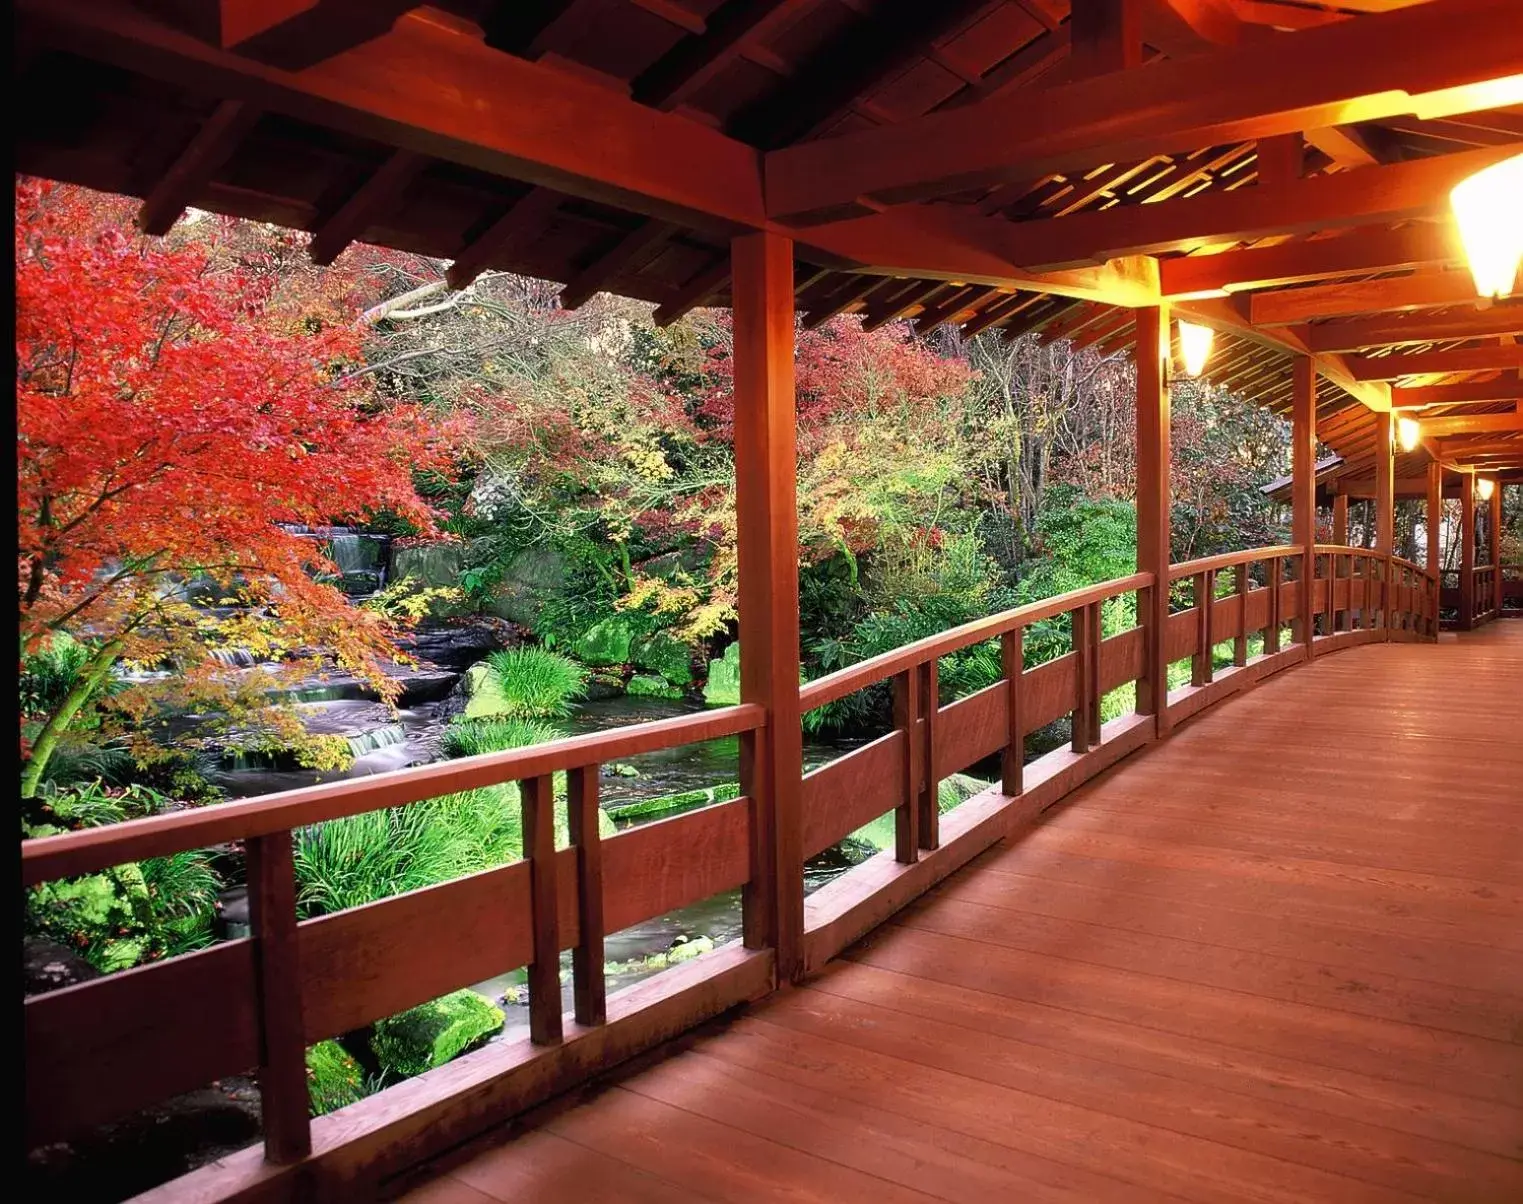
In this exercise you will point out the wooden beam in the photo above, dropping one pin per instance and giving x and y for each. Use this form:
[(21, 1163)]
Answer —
[(991, 314), (1427, 290), (1105, 35), (1398, 192), (635, 247), (1182, 27), (1472, 424), (365, 204), (1502, 389), (525, 218), (889, 309), (766, 514), (1423, 328), (1281, 158), (844, 298), (1357, 252), (1154, 504), (950, 306), (698, 289), (304, 33), (692, 62), (1351, 71), (212, 146), (577, 136), (1344, 145), (1505, 357)]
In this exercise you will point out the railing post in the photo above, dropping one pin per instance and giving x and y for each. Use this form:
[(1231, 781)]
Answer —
[(589, 985), (929, 801), (1275, 581), (1495, 530), (1012, 763), (283, 1097), (1079, 626), (906, 690), (1096, 633), (767, 569), (1304, 492), (1467, 551), (1433, 521), (1240, 645), (1153, 496), (537, 797), (1201, 668)]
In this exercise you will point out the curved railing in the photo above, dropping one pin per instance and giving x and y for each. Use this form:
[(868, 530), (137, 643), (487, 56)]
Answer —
[(103, 1049), (1484, 599)]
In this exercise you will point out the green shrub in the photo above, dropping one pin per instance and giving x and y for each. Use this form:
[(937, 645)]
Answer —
[(643, 685), (471, 737), (49, 673), (665, 654), (431, 1034), (334, 1079), (534, 683), (723, 685)]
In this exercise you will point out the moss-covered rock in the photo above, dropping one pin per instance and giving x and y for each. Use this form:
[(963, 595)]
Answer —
[(606, 642), (645, 685), (665, 654), (334, 1079), (723, 687), (683, 800), (432, 1033), (684, 951)]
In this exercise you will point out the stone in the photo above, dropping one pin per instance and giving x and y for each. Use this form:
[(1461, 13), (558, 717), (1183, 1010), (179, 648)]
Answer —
[(432, 1033), (48, 966), (604, 643), (723, 686), (644, 685), (665, 654)]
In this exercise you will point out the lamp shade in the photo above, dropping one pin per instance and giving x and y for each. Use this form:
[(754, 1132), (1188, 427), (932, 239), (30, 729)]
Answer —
[(1194, 346), (1488, 208), (1408, 432), (1484, 487)]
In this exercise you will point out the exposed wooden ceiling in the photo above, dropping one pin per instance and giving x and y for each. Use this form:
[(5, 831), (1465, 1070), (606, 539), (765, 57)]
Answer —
[(1278, 169)]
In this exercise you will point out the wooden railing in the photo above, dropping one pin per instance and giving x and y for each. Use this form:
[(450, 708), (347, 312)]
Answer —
[(1483, 593), (1512, 588), (103, 1049)]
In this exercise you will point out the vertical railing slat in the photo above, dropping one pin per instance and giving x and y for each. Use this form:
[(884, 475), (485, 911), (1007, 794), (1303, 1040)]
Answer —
[(929, 801), (1200, 668), (907, 814), (1242, 580), (1096, 632), (1272, 624), (589, 985), (538, 799), (1079, 626), (283, 1095), (1012, 764)]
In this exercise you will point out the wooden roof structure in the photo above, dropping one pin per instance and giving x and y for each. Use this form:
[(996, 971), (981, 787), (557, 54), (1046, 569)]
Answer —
[(1277, 169)]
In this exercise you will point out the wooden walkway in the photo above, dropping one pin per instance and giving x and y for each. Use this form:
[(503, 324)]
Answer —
[(1278, 957)]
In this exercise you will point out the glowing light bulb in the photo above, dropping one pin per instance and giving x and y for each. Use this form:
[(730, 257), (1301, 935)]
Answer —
[(1484, 486), (1408, 433), (1488, 208), (1194, 346)]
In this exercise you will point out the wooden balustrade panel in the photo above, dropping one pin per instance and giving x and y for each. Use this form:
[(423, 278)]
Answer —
[(651, 869), (1290, 600), (971, 729), (100, 1050), (1319, 594), (853, 790), (1180, 641), (377, 960), (1256, 609), (1121, 658), (1359, 592), (1341, 593), (1047, 692), (1226, 618)]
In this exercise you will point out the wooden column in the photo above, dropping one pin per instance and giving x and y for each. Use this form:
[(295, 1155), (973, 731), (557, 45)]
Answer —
[(1152, 362), (771, 762), (282, 1047), (1303, 490), (1385, 513), (1496, 548), (1467, 551), (1340, 519), (1435, 521)]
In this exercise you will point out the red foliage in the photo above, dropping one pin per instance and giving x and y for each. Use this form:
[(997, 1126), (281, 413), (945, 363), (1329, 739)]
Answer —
[(167, 421)]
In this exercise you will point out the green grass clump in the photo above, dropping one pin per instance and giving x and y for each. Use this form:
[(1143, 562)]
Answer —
[(334, 1079), (472, 737), (534, 683)]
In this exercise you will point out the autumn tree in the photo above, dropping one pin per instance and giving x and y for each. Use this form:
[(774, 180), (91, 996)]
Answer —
[(169, 418)]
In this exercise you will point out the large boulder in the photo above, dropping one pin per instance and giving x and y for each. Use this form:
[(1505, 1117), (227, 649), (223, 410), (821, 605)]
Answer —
[(432, 1033), (723, 686), (533, 577), (665, 654), (606, 642)]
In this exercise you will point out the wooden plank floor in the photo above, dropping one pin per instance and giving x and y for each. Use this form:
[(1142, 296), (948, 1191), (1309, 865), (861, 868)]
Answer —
[(1277, 958)]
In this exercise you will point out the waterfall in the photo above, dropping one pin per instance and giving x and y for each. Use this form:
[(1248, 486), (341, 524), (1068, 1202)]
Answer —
[(361, 559), (361, 743), (234, 658)]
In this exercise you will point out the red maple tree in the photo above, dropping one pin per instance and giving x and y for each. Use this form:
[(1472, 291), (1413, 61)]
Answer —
[(167, 421)]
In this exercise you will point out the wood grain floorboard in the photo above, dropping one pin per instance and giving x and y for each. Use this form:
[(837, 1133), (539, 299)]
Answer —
[(1277, 957)]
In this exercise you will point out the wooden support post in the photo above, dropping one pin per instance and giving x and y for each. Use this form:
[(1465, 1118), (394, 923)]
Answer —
[(1340, 519), (907, 813), (1304, 491), (1200, 668), (767, 554), (1240, 647), (1385, 512), (537, 798), (282, 1045), (929, 824), (1467, 551), (1434, 520), (1096, 636), (1079, 626), (1012, 656), (1272, 626), (1152, 363), (1495, 525), (589, 985)]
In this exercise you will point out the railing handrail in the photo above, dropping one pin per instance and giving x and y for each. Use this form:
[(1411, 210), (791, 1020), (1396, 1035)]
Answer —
[(837, 685), (1227, 560), (92, 849)]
